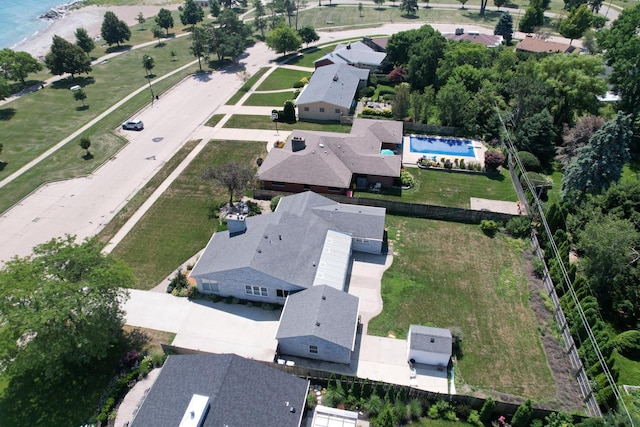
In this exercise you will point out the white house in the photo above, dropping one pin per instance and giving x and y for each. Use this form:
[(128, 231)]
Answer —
[(429, 346)]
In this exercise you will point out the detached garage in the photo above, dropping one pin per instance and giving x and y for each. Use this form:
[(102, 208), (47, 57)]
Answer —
[(429, 346)]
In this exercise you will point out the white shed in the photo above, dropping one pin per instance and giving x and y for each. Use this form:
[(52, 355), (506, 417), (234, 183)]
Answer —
[(430, 346)]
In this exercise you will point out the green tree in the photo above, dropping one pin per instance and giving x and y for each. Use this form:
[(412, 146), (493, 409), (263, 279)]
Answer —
[(535, 134), (409, 6), (420, 52), (451, 100), (157, 33), (85, 143), (199, 44), (487, 409), (79, 95), (233, 176), (499, 3), (504, 27), (5, 90), (148, 63), (379, 3), (283, 39), (417, 106), (191, 13), (621, 46), (84, 41), (599, 163), (141, 20), (65, 57), (308, 34), (558, 419), (259, 22), (578, 21), (523, 414), (60, 306), (114, 30), (164, 19), (214, 8), (462, 2), (533, 18), (17, 66), (360, 9), (401, 102)]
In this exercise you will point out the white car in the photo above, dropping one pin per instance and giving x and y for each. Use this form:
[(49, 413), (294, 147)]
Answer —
[(133, 125)]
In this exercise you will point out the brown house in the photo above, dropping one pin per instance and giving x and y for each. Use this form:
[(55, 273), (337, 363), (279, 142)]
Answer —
[(534, 45), (326, 162)]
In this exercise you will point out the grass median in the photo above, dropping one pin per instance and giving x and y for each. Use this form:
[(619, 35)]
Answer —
[(245, 87), (247, 121)]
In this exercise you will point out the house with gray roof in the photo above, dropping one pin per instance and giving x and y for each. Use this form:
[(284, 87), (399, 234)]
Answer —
[(357, 54), (222, 390), (307, 241), (430, 346), (319, 323), (331, 92), (326, 162)]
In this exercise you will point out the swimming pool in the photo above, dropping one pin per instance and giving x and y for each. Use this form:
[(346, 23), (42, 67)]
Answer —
[(442, 145)]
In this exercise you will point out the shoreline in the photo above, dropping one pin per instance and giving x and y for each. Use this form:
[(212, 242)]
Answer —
[(90, 18)]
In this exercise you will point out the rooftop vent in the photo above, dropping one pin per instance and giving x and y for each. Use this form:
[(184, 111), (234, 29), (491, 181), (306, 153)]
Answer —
[(335, 78), (196, 411), (321, 145), (317, 323), (324, 298), (349, 46)]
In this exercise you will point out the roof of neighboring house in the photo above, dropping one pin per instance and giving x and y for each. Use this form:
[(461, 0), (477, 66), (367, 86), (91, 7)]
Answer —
[(241, 392), (489, 40), (334, 84), (434, 340), (379, 43), (323, 312), (287, 244), (330, 159), (357, 53), (532, 44)]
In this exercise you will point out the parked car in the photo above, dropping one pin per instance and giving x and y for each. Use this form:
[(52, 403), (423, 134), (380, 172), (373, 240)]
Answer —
[(133, 125)]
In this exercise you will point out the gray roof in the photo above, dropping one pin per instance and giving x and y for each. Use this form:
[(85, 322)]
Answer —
[(421, 337), (241, 392), (322, 312), (287, 244), (356, 53), (334, 84), (330, 159)]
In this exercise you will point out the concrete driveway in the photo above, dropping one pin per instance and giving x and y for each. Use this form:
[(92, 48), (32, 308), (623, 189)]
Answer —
[(365, 281), (202, 325)]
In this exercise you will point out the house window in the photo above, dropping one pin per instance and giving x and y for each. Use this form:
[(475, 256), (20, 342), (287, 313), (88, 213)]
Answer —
[(281, 293), (337, 111), (322, 109), (277, 184), (210, 285), (313, 349), (257, 291), (361, 240), (307, 186), (306, 108)]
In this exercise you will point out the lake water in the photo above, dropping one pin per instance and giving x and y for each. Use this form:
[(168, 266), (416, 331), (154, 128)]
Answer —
[(19, 19)]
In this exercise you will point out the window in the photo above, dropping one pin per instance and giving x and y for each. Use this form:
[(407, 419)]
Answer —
[(322, 109), (277, 184), (307, 187), (337, 110), (306, 108), (361, 240), (257, 291), (313, 349), (210, 285), (281, 293)]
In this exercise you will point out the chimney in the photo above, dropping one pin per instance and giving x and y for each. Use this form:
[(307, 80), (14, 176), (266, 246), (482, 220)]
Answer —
[(297, 144), (237, 223), (335, 78), (349, 46)]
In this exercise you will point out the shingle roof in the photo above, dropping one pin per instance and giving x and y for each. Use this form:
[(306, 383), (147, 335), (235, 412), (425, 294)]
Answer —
[(241, 392), (356, 53), (322, 312), (334, 84), (421, 339), (287, 243), (531, 44), (488, 40)]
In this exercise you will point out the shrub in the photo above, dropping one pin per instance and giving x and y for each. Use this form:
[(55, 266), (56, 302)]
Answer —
[(235, 300), (538, 267), (178, 282), (274, 203), (131, 358), (489, 227), (367, 92), (414, 409), (493, 160), (523, 415), (289, 111), (298, 84), (228, 300), (296, 93), (474, 418), (529, 161), (487, 410), (377, 113), (386, 91), (311, 401), (450, 415), (304, 80), (407, 179), (389, 97), (628, 344), (519, 227), (267, 306), (374, 405), (433, 412)]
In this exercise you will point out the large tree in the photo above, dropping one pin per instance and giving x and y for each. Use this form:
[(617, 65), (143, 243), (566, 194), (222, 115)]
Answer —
[(199, 44), (84, 41), (5, 91), (148, 63), (578, 21), (65, 57), (114, 30), (621, 46), (164, 19), (599, 163), (17, 66), (233, 176), (60, 306), (401, 101), (409, 6), (191, 13), (451, 100), (504, 27), (533, 17), (284, 39), (259, 21), (308, 34), (535, 134), (576, 137)]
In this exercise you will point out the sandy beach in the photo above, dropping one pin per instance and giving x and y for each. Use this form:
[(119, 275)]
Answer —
[(89, 17)]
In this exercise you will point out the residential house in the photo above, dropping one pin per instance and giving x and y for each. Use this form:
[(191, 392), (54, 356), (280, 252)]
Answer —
[(536, 45), (357, 54), (379, 44), (320, 322), (265, 258), (489, 40), (331, 92), (222, 390), (430, 346), (326, 162)]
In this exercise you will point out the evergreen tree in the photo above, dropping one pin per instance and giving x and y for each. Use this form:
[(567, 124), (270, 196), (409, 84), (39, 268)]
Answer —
[(191, 13), (504, 27), (523, 414)]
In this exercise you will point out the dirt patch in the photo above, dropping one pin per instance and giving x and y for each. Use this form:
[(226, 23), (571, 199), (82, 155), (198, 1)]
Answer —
[(148, 340)]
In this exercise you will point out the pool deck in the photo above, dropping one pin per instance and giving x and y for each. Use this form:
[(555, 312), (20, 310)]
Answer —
[(411, 158)]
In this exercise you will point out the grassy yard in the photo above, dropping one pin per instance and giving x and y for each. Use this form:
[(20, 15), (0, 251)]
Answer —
[(181, 221), (274, 99), (282, 78), (214, 120), (449, 274), (245, 88), (451, 189), (245, 121)]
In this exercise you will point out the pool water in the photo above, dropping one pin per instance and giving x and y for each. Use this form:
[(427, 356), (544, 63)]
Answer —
[(439, 145)]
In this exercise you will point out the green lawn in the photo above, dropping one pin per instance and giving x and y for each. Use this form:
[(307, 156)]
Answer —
[(282, 78), (245, 121), (310, 55), (274, 99), (451, 189), (248, 85), (449, 274), (214, 120), (180, 222)]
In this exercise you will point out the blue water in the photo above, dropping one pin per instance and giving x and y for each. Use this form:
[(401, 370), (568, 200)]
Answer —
[(442, 146), (19, 19)]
